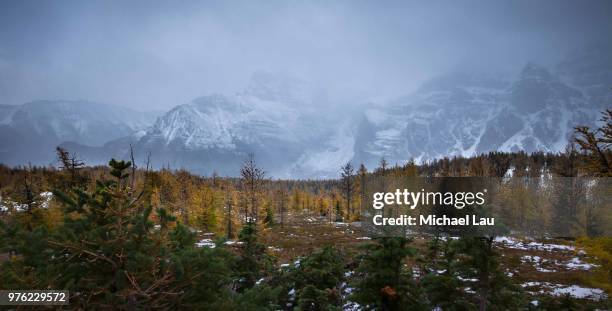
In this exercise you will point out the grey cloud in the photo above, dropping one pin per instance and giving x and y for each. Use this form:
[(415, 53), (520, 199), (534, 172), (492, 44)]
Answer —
[(152, 55)]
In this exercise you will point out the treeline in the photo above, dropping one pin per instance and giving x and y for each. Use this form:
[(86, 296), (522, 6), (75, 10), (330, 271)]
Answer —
[(213, 204), (201, 200)]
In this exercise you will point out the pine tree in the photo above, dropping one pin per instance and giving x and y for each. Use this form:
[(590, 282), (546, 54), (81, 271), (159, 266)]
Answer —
[(253, 262), (383, 281), (440, 281), (269, 219), (110, 252), (493, 288), (317, 280)]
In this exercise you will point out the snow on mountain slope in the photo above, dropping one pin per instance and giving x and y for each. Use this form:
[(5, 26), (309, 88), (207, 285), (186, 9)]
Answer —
[(467, 115), (30, 132), (544, 111), (215, 133), (445, 116), (79, 121), (296, 134), (223, 122), (323, 160)]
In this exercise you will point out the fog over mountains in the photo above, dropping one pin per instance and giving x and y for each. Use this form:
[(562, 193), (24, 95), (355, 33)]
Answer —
[(30, 132), (294, 131)]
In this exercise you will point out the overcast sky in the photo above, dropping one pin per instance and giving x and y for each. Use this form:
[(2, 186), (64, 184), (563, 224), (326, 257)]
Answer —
[(155, 55)]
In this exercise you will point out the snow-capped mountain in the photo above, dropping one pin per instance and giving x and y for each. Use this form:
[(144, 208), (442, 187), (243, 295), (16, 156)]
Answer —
[(276, 118), (467, 115), (273, 119), (296, 134), (219, 131), (223, 122), (30, 132), (446, 116)]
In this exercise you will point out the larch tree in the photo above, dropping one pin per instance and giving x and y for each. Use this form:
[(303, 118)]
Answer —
[(596, 145), (71, 164), (281, 204), (363, 171), (251, 178), (346, 173), (228, 214), (381, 173)]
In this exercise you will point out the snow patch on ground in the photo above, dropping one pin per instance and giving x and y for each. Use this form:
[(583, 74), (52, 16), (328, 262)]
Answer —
[(346, 293), (537, 261), (466, 280), (206, 243), (513, 243), (42, 201), (580, 292), (574, 291), (577, 264)]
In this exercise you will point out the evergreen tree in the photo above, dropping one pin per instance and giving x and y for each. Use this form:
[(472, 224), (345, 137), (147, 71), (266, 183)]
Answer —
[(493, 288), (253, 262), (440, 281), (317, 280), (383, 281), (269, 219), (110, 252)]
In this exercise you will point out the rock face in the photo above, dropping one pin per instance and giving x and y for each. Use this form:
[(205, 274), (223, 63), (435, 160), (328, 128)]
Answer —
[(219, 131), (295, 133), (467, 115)]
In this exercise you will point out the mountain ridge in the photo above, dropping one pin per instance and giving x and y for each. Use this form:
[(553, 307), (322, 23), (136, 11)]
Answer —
[(294, 136)]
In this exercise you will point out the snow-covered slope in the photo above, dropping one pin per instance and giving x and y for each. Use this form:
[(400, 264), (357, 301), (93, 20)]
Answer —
[(30, 132), (445, 116), (467, 115), (79, 121), (295, 133), (217, 132), (224, 122)]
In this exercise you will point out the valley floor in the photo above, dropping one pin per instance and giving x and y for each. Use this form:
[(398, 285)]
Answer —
[(544, 269)]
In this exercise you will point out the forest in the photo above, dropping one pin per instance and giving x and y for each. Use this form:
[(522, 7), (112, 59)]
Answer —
[(125, 236)]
